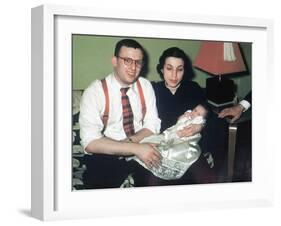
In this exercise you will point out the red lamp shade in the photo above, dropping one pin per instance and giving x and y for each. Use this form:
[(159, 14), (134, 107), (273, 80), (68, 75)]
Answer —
[(219, 58)]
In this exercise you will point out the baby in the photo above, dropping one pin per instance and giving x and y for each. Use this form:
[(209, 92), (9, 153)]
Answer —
[(196, 116), (178, 153)]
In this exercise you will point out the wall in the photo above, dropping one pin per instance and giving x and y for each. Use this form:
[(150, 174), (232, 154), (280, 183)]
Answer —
[(92, 59)]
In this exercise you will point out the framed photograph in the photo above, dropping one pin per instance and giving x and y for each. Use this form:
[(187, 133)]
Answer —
[(65, 40)]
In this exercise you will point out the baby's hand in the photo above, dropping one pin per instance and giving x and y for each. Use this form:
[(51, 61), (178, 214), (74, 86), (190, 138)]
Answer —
[(187, 114), (181, 117)]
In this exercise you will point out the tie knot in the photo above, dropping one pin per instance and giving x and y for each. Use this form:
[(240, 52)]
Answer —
[(124, 90)]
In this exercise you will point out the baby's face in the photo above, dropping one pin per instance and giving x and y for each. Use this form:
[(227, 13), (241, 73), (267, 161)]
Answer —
[(198, 111)]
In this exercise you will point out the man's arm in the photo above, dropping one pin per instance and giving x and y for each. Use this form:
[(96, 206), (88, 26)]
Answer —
[(94, 141), (248, 97), (144, 152), (141, 134), (237, 110)]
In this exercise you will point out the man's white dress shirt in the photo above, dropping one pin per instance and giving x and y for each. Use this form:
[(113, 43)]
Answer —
[(92, 108)]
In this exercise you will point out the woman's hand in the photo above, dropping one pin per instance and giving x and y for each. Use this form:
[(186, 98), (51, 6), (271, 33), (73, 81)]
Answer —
[(190, 130), (149, 155)]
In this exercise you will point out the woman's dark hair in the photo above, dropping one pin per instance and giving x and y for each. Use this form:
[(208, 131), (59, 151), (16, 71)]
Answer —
[(178, 53)]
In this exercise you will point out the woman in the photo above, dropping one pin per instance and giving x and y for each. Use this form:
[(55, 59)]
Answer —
[(175, 95)]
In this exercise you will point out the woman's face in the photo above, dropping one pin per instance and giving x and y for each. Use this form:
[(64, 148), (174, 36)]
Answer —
[(173, 71)]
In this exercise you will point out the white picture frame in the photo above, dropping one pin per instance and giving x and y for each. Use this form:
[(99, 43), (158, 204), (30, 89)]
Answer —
[(52, 196)]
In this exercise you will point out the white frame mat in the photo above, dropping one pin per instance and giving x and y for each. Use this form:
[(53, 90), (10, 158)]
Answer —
[(52, 195)]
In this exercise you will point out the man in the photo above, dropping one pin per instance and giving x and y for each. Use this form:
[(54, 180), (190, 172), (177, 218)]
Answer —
[(109, 143), (237, 110)]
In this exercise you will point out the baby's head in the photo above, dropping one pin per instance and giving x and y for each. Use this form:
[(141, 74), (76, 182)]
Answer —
[(199, 110)]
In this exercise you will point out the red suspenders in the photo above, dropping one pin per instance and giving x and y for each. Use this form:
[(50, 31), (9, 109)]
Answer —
[(143, 106), (106, 110)]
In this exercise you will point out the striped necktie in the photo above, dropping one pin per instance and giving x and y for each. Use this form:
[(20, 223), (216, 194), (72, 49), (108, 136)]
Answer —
[(128, 117)]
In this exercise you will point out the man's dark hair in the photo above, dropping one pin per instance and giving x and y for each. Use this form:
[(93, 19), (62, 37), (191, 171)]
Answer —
[(130, 43)]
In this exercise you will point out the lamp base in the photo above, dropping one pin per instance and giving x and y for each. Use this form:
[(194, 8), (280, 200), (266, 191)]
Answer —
[(223, 105), (220, 91), (217, 108)]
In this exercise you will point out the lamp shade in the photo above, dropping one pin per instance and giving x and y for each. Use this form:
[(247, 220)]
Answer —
[(219, 58)]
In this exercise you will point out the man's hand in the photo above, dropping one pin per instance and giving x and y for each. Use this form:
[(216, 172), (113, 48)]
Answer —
[(149, 155), (234, 111), (190, 130)]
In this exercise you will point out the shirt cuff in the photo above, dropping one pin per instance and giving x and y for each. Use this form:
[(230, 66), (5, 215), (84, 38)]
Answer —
[(246, 105), (154, 129)]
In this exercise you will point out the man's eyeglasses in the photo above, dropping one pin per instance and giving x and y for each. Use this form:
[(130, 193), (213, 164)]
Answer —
[(129, 61)]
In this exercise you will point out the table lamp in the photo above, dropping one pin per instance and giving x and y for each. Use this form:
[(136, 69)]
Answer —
[(220, 59)]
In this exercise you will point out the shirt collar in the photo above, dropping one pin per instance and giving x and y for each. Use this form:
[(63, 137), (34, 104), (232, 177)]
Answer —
[(118, 85)]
